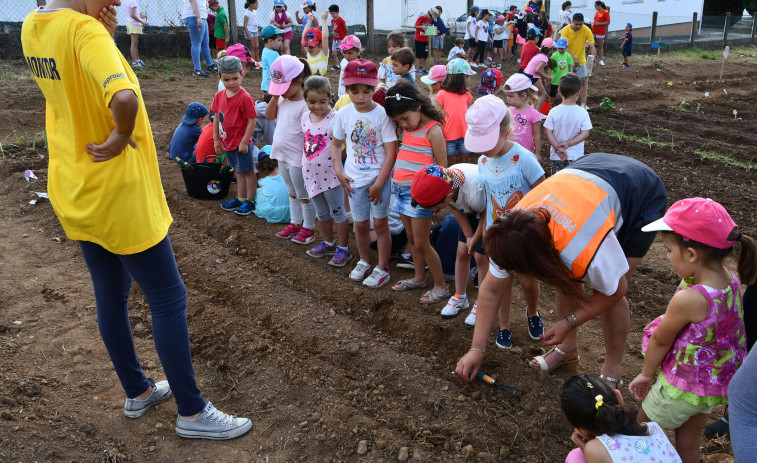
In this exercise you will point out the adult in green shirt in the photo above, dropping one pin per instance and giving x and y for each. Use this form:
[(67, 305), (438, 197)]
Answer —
[(577, 34)]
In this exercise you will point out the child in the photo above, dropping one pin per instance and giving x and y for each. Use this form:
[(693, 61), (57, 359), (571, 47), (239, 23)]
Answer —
[(421, 39), (308, 20), (437, 41), (509, 44), (251, 28), (507, 171), (457, 51), (422, 144), (566, 14), (244, 55), (350, 47), (604, 429), (500, 35), (519, 93), (563, 63), (434, 80), (454, 99), (135, 19), (700, 341), (537, 68), (280, 19), (371, 152), (470, 31), (287, 106), (544, 25), (316, 45), (491, 82), (324, 189), (272, 40), (186, 135), (271, 197), (340, 32), (394, 41), (627, 46), (402, 62), (233, 135), (221, 28), (481, 35), (567, 125), (530, 48)]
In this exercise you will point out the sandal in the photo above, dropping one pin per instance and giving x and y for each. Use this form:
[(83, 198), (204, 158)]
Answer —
[(612, 382), (541, 361), (406, 285), (433, 296)]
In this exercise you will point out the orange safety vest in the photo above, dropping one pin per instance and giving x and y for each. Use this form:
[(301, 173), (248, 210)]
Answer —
[(584, 209), (415, 152)]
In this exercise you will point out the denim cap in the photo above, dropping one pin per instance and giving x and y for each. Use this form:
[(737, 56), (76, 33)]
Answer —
[(229, 64), (278, 3), (195, 112), (460, 66)]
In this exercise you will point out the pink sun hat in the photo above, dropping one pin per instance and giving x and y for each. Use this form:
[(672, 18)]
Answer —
[(483, 119), (518, 82), (437, 74), (349, 42), (283, 71), (698, 219)]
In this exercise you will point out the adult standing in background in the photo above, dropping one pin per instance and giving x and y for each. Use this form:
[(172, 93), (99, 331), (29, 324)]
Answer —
[(599, 29), (194, 13), (577, 34)]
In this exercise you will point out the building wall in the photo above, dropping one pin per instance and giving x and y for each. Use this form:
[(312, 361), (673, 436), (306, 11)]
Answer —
[(636, 12)]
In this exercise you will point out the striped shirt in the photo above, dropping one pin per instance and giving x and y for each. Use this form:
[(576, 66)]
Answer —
[(414, 153), (318, 63)]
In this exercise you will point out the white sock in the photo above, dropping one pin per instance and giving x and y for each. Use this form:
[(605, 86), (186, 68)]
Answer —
[(308, 212), (407, 256), (295, 210)]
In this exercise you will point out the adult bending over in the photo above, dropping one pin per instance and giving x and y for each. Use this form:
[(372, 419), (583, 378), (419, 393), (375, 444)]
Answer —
[(582, 225), (105, 188), (194, 13)]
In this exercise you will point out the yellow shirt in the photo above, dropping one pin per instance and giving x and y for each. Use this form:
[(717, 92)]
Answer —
[(577, 42), (118, 204), (343, 101), (318, 63)]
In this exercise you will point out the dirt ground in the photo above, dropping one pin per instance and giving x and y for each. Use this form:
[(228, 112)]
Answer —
[(321, 364)]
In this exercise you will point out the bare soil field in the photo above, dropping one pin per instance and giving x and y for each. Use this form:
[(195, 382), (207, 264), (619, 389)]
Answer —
[(328, 370)]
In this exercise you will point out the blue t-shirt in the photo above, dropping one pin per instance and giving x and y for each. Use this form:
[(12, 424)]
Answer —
[(410, 77), (183, 142), (507, 179), (268, 57)]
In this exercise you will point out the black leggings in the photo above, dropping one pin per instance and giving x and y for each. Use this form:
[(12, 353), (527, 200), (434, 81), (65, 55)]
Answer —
[(480, 51)]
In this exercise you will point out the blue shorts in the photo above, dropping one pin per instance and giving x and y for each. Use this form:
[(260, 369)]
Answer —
[(240, 162), (335, 44), (479, 248), (437, 41), (456, 146), (404, 206), (362, 207)]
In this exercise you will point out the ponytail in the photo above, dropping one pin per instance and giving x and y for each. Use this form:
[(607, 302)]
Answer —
[(747, 266)]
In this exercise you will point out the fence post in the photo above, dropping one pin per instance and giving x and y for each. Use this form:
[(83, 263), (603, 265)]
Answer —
[(369, 24), (754, 27), (693, 29), (41, 2), (725, 29), (653, 32), (232, 13)]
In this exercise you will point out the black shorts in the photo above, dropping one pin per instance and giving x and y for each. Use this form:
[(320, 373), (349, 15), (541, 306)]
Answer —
[(626, 50), (421, 50), (212, 43), (479, 248), (553, 90), (498, 44), (533, 78), (472, 42)]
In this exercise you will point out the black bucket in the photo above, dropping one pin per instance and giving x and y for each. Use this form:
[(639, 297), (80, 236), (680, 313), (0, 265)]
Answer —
[(206, 181)]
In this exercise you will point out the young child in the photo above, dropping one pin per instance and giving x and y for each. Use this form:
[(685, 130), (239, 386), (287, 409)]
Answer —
[(251, 28), (221, 27), (605, 429), (280, 19), (371, 142), (627, 45), (481, 35), (537, 70), (350, 47), (339, 27), (519, 93), (233, 135), (700, 341), (394, 41), (316, 45), (470, 31), (324, 189), (568, 125), (434, 80), (244, 55), (458, 51), (500, 35), (308, 8), (402, 61), (421, 39), (454, 99), (135, 19), (422, 144), (510, 42), (288, 106), (271, 197), (272, 40), (491, 82), (507, 171), (530, 48), (186, 135), (563, 63)]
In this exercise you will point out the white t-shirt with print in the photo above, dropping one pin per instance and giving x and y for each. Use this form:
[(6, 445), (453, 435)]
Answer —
[(503, 32), (470, 196), (470, 27), (483, 31), (454, 52), (288, 137), (567, 121)]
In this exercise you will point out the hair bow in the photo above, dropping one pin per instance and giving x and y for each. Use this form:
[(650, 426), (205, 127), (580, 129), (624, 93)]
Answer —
[(600, 401)]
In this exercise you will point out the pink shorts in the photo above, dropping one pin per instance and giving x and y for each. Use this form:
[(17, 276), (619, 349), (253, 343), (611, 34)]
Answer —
[(287, 35), (520, 40)]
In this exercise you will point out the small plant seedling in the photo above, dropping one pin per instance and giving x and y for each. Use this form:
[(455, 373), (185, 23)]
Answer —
[(607, 105), (736, 115), (657, 64), (670, 84)]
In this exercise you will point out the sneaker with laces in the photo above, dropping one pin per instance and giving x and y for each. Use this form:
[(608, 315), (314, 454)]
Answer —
[(289, 232), (454, 306), (407, 263), (505, 339), (323, 249), (161, 392), (378, 278), (341, 257), (304, 236), (258, 65), (470, 320), (200, 73), (246, 208), (231, 205), (212, 424), (361, 270), (535, 326)]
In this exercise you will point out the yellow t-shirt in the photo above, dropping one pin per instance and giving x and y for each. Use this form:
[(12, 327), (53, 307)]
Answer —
[(343, 101), (118, 204), (577, 42), (318, 63)]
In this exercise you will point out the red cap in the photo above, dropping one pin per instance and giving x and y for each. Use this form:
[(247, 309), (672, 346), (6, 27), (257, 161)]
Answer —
[(361, 71), (312, 37), (698, 219), (431, 185)]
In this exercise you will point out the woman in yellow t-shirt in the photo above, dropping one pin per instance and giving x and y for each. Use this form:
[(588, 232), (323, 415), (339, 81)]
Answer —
[(105, 188)]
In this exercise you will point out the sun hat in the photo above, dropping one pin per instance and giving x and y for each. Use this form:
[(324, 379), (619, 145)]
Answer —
[(529, 10), (229, 64), (278, 3), (460, 66), (313, 37), (519, 82), (435, 74), (349, 42), (195, 112), (533, 32), (483, 119), (434, 13), (432, 183), (698, 219), (491, 79), (269, 31), (549, 43), (500, 18), (562, 43), (283, 71), (361, 71)]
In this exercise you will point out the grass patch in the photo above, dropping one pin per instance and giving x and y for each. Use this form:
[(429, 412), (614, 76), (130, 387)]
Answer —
[(621, 135), (705, 152)]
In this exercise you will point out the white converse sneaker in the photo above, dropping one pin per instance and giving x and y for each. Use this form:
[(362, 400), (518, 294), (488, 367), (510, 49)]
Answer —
[(454, 306), (470, 320), (212, 424), (161, 391)]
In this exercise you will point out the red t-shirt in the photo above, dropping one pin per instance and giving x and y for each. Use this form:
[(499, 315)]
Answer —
[(529, 51), (602, 16), (340, 28), (420, 35), (205, 145), (236, 111)]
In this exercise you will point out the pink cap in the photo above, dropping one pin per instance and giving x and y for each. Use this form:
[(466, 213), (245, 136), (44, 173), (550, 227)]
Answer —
[(549, 43), (483, 119), (519, 82), (349, 42), (698, 219), (436, 74), (500, 18), (283, 71)]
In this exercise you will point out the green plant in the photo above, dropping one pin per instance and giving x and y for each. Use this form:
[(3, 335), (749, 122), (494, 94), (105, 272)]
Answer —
[(607, 105), (699, 105), (681, 107), (709, 55), (657, 64), (704, 152)]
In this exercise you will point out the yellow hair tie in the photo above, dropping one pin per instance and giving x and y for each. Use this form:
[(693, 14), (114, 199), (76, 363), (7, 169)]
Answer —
[(600, 401)]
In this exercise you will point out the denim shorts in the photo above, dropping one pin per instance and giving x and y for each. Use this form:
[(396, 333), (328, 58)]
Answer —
[(404, 206), (362, 207), (240, 162), (580, 71), (335, 44), (437, 41), (473, 219), (456, 146)]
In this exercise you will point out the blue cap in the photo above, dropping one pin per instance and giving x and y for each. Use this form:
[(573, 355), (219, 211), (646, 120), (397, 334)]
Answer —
[(630, 26), (264, 151), (562, 43), (307, 3), (269, 31), (533, 32), (475, 8), (195, 112), (278, 3)]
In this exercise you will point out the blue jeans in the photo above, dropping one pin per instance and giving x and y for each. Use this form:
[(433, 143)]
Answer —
[(199, 38), (742, 409), (155, 272)]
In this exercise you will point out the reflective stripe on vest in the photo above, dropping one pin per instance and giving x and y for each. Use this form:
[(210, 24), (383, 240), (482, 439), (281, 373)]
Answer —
[(584, 209)]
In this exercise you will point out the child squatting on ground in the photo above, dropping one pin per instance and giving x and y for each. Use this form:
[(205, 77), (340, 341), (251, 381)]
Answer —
[(184, 139)]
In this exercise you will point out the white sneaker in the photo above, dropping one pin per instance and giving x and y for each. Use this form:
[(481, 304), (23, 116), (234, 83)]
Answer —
[(161, 391), (601, 62), (454, 306), (212, 424), (475, 65), (361, 270), (470, 320), (378, 278)]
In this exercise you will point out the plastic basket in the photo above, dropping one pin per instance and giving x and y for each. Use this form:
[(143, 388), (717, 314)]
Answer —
[(206, 181)]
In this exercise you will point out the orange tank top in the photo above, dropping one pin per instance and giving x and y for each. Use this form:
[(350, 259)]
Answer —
[(414, 153)]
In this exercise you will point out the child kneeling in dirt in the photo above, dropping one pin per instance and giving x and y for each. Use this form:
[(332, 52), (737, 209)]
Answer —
[(272, 197), (185, 137)]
